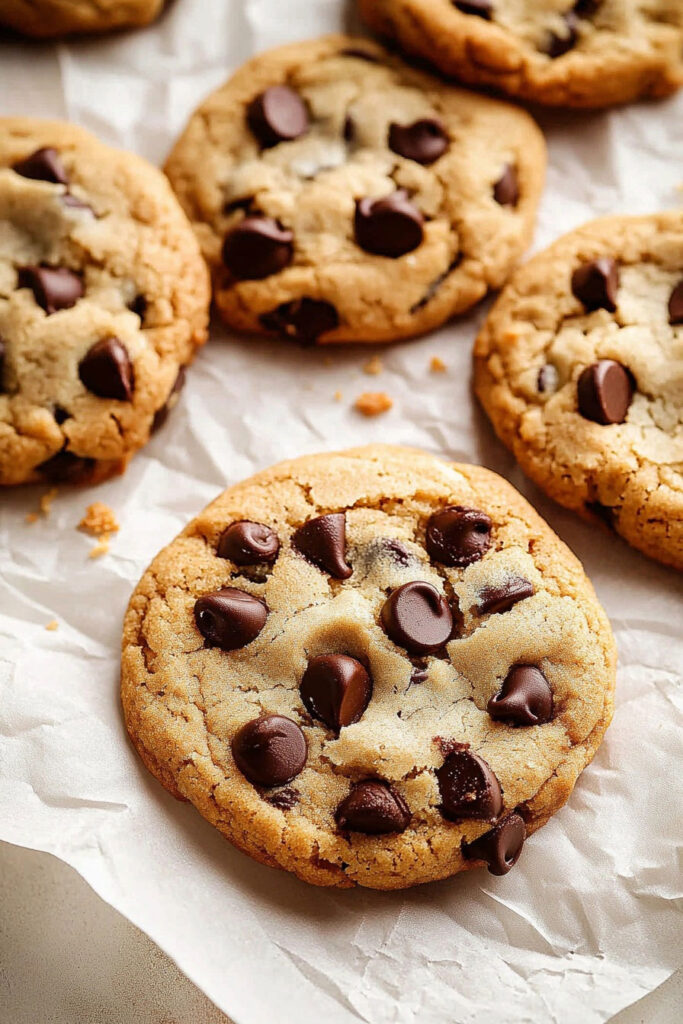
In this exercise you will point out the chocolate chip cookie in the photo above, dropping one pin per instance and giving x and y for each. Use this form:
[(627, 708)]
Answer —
[(47, 18), (369, 668), (580, 367), (569, 53), (103, 300), (341, 196)]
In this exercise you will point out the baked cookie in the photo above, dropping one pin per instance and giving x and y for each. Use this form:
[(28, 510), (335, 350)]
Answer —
[(369, 668), (103, 300), (47, 18), (568, 53), (580, 367), (339, 195)]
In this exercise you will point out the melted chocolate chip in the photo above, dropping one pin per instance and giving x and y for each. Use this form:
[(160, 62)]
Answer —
[(493, 600), (468, 787), (246, 543), (230, 618), (43, 165), (270, 750), (458, 536), (54, 288), (106, 370), (525, 698), (604, 392), (303, 320), (557, 45), (336, 689), (323, 542), (676, 304), (373, 807), (67, 468), (500, 848), (256, 248), (161, 415), (506, 189), (388, 227), (481, 8), (277, 115), (418, 618), (284, 799), (595, 284), (419, 675), (547, 379), (423, 141)]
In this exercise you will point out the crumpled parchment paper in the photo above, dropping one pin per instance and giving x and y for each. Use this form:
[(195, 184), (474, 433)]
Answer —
[(586, 923)]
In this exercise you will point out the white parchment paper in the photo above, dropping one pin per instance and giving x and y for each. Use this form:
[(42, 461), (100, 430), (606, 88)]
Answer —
[(586, 923)]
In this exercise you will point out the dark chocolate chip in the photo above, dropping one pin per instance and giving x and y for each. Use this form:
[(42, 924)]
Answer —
[(373, 807), (525, 698), (256, 248), (595, 284), (506, 189), (423, 141), (277, 115), (246, 543), (284, 799), (468, 787), (353, 51), (502, 598), (54, 288), (336, 689), (557, 45), (106, 370), (67, 468), (500, 848), (605, 391), (270, 750), (458, 536), (676, 304), (388, 227), (547, 379), (303, 320), (482, 8), (419, 675), (417, 617), (161, 415), (230, 618), (43, 165), (323, 542)]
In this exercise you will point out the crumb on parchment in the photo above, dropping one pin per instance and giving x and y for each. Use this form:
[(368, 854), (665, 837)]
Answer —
[(52, 625), (98, 519), (338, 396), (437, 365), (373, 366), (101, 548), (44, 505), (372, 403)]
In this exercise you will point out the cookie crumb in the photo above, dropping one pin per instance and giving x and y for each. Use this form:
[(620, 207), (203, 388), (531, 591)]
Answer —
[(372, 403), (99, 520), (373, 366), (32, 517), (44, 506), (338, 396), (101, 548), (437, 365), (52, 625)]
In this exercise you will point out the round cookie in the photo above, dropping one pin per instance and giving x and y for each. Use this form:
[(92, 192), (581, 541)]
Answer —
[(340, 195), (568, 53), (369, 668), (580, 368), (103, 300), (44, 19)]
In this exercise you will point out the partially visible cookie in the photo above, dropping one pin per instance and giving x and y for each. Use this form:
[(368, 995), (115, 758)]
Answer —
[(369, 668), (580, 367), (47, 18), (340, 195), (569, 53), (103, 301)]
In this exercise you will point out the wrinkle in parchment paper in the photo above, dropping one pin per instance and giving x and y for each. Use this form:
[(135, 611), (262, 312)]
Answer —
[(587, 921)]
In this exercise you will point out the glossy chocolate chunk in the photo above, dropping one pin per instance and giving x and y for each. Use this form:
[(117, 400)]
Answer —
[(559, 44), (336, 689), (303, 320), (67, 468), (525, 698), (247, 543), (595, 284), (373, 807), (481, 8), (676, 304), (323, 542), (457, 535), (161, 415), (468, 787), (506, 189), (270, 750), (388, 227), (604, 392), (230, 618), (43, 165), (423, 141), (277, 115), (256, 248), (106, 370), (501, 598), (54, 288), (500, 848), (418, 618)]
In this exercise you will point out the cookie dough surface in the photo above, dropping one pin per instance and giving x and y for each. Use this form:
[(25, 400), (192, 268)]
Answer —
[(281, 171), (47, 18), (533, 375), (103, 299), (375, 801), (574, 53)]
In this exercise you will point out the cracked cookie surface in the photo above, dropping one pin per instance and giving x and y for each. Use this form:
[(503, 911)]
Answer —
[(47, 18), (340, 195), (369, 668), (580, 368), (574, 53), (103, 300)]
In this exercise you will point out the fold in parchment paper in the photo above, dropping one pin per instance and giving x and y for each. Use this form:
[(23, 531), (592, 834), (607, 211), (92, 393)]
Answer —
[(586, 923)]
